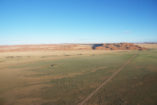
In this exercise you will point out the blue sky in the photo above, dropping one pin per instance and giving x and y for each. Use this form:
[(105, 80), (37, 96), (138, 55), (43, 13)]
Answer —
[(77, 21)]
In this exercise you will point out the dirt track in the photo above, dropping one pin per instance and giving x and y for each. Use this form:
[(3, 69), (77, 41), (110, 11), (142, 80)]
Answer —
[(106, 81)]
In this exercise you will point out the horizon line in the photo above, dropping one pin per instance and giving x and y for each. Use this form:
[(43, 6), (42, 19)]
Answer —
[(76, 43)]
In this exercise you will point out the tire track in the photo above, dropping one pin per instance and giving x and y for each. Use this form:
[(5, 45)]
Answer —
[(106, 81)]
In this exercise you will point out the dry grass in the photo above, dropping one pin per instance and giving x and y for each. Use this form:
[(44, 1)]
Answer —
[(27, 78), (149, 46), (15, 57), (22, 82), (53, 53)]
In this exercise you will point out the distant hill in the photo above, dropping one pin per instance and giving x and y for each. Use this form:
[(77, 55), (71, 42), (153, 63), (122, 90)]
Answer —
[(119, 46), (103, 46)]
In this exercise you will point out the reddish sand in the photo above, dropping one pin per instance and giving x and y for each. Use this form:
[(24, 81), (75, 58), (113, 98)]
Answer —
[(120, 46), (107, 46)]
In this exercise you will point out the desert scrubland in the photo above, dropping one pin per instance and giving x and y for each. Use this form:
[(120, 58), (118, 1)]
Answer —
[(67, 77)]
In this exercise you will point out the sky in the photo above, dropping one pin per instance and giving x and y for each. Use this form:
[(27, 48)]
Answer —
[(77, 21)]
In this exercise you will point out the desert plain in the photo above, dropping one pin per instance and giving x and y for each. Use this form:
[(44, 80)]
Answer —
[(63, 75)]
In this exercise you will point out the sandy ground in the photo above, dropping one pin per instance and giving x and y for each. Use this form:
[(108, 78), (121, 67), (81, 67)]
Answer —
[(13, 58), (54, 52), (149, 46)]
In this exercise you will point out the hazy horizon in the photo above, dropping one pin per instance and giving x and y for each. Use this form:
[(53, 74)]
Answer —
[(77, 21)]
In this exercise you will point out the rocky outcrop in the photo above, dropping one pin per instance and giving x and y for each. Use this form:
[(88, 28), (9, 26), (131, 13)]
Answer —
[(119, 46), (105, 46)]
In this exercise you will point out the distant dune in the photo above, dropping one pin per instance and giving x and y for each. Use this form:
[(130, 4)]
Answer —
[(103, 46)]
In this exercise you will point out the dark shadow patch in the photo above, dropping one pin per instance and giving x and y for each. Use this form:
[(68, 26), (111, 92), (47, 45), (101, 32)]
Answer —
[(66, 55), (2, 101), (96, 45), (52, 65)]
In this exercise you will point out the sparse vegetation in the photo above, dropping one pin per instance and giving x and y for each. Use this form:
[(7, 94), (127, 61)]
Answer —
[(67, 80)]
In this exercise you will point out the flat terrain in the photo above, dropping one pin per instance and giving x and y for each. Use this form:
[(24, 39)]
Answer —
[(68, 47), (149, 46), (69, 77)]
